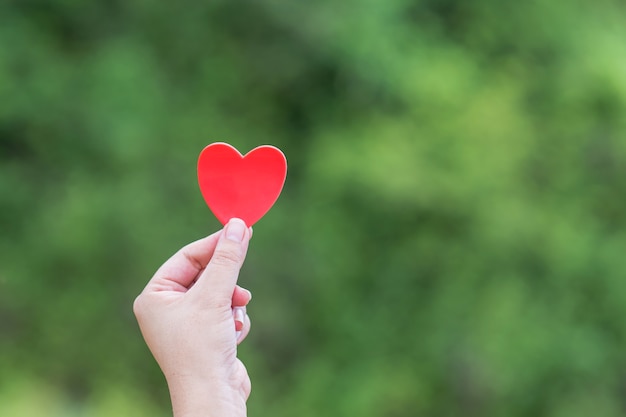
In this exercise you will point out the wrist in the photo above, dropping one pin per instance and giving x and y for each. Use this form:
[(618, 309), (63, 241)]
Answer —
[(194, 397)]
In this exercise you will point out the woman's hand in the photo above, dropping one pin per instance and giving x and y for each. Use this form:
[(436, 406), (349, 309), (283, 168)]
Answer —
[(192, 316)]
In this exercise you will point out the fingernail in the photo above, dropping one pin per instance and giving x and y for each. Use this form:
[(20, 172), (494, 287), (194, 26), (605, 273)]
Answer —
[(237, 335), (235, 230), (239, 314), (249, 294)]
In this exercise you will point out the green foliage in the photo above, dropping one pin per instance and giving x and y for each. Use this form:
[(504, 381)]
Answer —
[(449, 241)]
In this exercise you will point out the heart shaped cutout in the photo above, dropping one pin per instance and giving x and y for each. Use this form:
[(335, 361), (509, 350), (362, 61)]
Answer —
[(240, 186)]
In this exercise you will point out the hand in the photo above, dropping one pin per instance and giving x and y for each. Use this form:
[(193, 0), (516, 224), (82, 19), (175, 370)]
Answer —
[(186, 317)]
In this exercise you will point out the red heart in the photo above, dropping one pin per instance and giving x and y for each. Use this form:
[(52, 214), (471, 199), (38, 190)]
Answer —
[(241, 186)]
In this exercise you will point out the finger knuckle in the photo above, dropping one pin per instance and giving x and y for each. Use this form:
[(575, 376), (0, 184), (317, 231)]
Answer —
[(227, 256), (246, 386), (138, 306)]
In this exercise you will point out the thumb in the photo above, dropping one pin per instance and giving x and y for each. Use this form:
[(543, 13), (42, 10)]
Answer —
[(216, 284)]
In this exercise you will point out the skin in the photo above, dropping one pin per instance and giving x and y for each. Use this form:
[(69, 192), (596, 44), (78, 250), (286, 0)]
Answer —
[(192, 316)]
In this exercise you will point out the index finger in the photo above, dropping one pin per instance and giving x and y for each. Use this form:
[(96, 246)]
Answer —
[(182, 269)]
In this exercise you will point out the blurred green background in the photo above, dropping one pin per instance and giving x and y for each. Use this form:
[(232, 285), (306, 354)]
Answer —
[(450, 240)]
